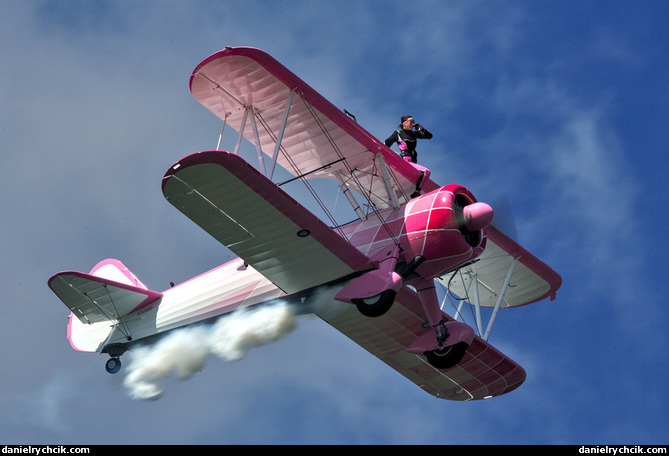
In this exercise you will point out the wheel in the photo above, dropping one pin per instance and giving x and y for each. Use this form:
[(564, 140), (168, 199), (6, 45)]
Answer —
[(113, 365), (376, 305), (448, 357)]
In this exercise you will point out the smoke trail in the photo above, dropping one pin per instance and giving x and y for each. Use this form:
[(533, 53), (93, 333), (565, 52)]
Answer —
[(185, 351)]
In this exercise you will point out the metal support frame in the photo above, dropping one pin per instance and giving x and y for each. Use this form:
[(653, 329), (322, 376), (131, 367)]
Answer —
[(279, 137), (386, 180), (241, 130), (261, 161), (461, 303), (427, 295), (458, 310), (500, 298), (477, 305), (237, 100), (248, 108), (220, 137), (475, 300), (349, 196)]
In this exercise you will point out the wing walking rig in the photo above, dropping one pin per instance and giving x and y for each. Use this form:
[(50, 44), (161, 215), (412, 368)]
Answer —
[(378, 273)]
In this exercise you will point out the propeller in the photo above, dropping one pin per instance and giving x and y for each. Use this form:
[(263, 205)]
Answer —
[(504, 219), (471, 218)]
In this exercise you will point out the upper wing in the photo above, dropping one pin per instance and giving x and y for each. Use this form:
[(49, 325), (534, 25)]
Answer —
[(318, 139), (94, 299), (259, 222), (483, 372), (531, 280)]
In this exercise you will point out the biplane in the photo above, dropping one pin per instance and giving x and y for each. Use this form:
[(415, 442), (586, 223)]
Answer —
[(379, 272)]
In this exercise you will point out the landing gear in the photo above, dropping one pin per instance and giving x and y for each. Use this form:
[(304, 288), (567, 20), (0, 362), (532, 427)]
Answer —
[(448, 356), (373, 293), (376, 305), (113, 365), (445, 342)]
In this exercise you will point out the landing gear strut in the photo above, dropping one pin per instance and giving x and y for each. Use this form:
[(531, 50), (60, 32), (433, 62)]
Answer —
[(445, 343)]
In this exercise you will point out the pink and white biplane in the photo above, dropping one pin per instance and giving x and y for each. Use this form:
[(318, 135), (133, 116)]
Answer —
[(378, 273)]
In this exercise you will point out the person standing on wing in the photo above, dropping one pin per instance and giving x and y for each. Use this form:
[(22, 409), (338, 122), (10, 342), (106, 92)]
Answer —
[(406, 136)]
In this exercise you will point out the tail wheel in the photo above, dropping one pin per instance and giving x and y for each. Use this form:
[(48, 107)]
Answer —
[(376, 305), (448, 357), (113, 365)]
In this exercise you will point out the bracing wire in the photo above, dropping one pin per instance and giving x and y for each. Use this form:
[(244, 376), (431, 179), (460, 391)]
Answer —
[(350, 173), (120, 324)]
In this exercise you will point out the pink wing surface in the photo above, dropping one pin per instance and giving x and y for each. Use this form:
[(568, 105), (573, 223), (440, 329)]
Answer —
[(259, 222), (484, 371), (255, 94)]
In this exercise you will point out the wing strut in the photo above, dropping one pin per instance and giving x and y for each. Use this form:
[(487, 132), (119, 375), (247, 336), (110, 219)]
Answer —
[(386, 180), (351, 199), (261, 162), (501, 297), (475, 300), (220, 137), (248, 108), (477, 304), (279, 138), (241, 130), (256, 136)]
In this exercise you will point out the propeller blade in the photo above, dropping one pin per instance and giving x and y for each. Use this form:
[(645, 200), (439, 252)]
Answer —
[(504, 219)]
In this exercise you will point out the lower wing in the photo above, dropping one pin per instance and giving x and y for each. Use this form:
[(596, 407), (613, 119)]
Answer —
[(483, 372)]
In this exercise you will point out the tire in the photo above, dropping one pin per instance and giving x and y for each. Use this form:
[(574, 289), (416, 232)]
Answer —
[(377, 305), (448, 357), (113, 365)]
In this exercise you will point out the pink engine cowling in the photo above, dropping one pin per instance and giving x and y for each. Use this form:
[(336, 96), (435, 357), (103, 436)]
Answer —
[(445, 227)]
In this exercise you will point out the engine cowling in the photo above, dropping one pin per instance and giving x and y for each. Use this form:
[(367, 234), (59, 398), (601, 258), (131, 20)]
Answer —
[(445, 227)]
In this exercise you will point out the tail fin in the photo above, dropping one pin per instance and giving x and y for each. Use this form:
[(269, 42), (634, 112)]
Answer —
[(107, 294), (115, 270)]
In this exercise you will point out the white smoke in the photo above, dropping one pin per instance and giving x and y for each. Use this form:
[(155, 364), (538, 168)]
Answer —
[(183, 352)]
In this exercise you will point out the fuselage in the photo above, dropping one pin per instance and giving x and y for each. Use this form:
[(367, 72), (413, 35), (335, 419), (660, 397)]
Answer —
[(426, 226)]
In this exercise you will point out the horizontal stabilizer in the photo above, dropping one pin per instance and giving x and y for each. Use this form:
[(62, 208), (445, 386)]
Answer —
[(94, 299)]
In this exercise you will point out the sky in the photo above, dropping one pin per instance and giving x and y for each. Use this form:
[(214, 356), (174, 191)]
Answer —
[(558, 107)]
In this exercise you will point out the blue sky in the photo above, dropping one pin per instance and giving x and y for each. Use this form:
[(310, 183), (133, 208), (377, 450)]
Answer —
[(560, 107)]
